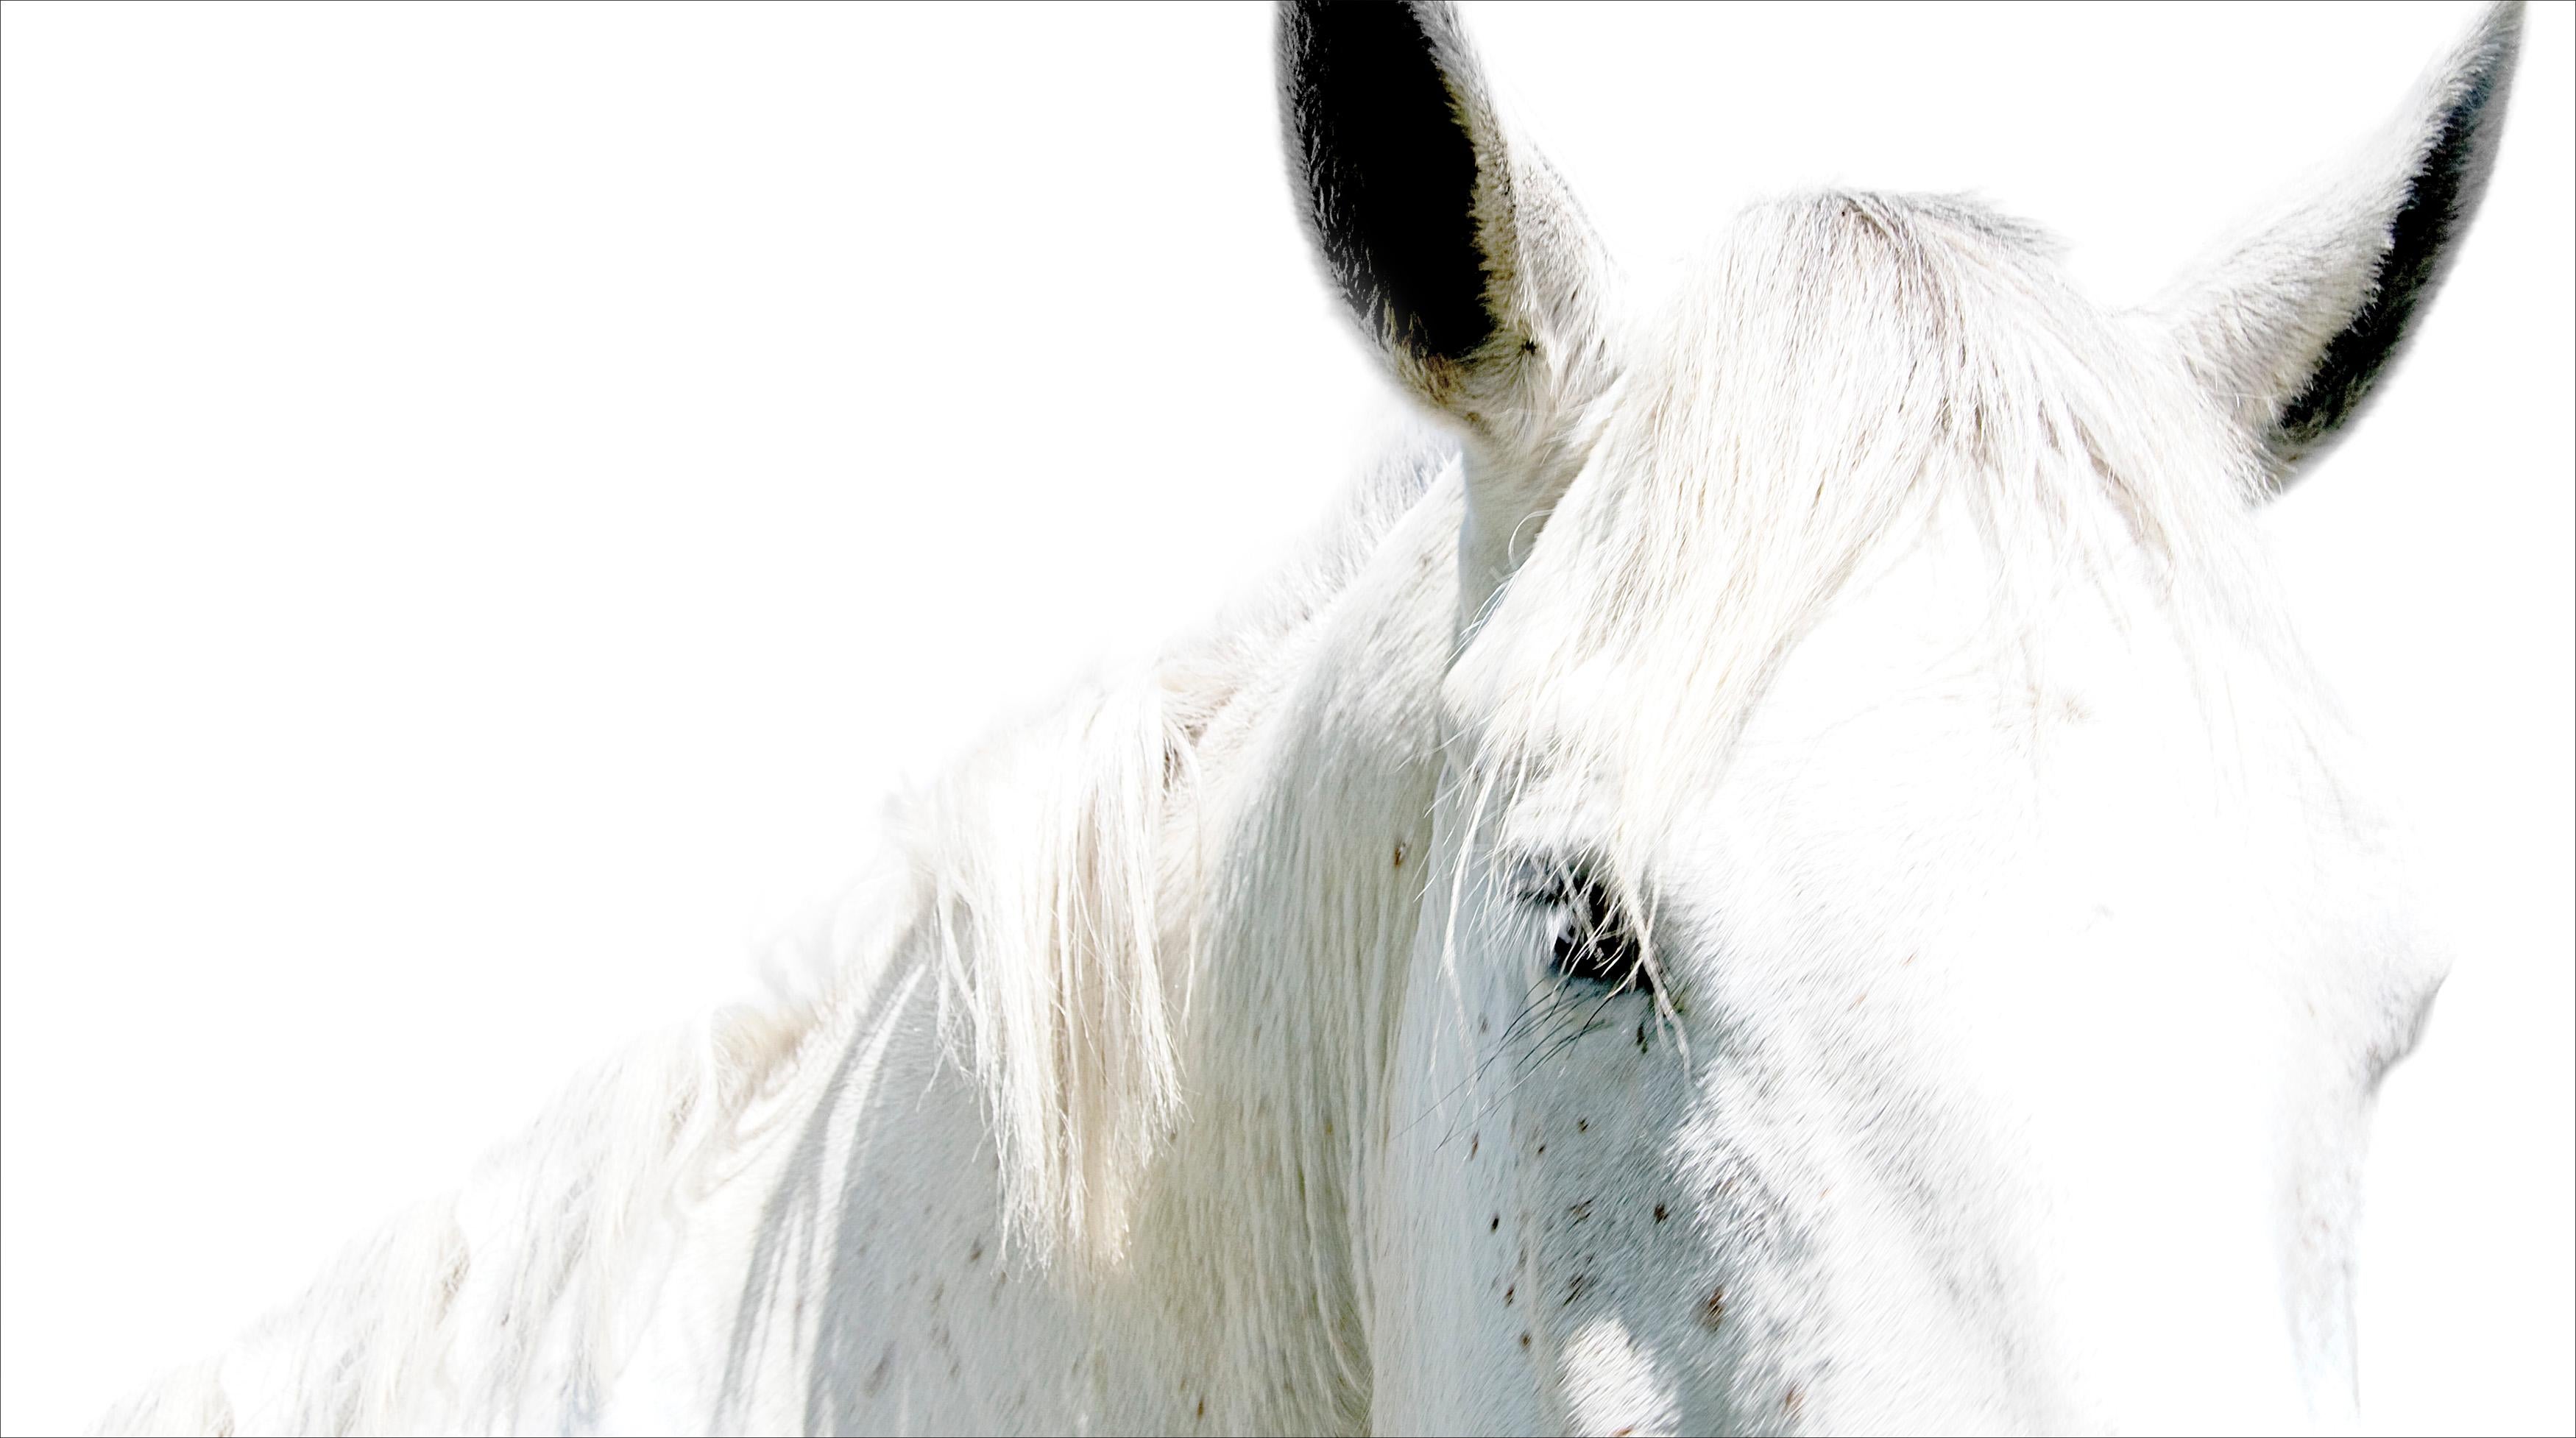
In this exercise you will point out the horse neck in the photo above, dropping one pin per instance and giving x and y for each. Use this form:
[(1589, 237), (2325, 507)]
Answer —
[(1318, 828)]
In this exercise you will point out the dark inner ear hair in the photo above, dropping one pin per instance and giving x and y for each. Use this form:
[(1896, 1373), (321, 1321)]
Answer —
[(1389, 173), (2440, 201)]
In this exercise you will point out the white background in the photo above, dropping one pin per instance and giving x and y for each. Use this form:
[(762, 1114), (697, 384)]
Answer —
[(494, 496)]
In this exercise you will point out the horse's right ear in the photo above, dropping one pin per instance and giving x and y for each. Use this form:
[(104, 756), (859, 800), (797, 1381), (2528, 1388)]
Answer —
[(1466, 265), (2295, 325)]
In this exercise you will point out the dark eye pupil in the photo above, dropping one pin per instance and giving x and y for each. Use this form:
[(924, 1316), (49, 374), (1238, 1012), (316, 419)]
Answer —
[(1594, 942)]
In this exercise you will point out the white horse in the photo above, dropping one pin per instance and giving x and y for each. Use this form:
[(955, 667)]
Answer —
[(1775, 871)]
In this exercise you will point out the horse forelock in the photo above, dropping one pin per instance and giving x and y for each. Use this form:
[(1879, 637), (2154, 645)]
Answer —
[(1835, 370)]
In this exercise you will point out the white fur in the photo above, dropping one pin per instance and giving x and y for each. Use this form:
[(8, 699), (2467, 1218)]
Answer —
[(1879, 619)]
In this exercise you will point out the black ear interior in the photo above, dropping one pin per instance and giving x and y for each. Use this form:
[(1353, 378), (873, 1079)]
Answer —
[(2441, 199), (1387, 170)]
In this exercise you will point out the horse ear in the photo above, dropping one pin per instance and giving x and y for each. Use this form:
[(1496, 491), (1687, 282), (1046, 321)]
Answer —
[(1466, 265), (2296, 325)]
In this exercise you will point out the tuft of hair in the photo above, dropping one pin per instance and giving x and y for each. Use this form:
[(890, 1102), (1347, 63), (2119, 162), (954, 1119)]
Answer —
[(1040, 863), (1054, 880)]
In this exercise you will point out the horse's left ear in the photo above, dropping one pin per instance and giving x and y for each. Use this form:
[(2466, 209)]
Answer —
[(1462, 257), (1459, 253), (2295, 326)]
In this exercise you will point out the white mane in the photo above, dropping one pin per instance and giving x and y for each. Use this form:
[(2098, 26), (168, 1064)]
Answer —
[(1062, 876)]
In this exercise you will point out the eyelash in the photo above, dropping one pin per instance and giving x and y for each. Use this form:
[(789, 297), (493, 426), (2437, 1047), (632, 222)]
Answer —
[(1592, 939)]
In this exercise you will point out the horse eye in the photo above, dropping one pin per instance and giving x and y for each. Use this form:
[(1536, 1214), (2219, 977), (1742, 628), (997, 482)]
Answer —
[(1593, 941)]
